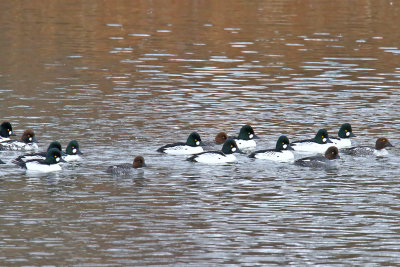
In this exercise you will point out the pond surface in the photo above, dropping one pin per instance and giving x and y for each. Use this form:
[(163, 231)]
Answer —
[(126, 77)]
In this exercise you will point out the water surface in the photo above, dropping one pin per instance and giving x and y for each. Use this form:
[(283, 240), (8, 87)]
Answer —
[(125, 77)]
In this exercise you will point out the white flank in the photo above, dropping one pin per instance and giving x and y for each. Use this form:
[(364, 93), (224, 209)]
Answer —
[(70, 158), (29, 147), (215, 158), (311, 147), (35, 166), (283, 156), (183, 150), (243, 144), (341, 142), (381, 152), (17, 145)]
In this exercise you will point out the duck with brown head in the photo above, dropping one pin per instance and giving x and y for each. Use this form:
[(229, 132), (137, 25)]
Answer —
[(331, 154), (127, 168), (379, 150), (27, 143)]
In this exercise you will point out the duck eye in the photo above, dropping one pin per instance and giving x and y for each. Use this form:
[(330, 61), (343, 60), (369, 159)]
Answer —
[(195, 140), (73, 147), (322, 136)]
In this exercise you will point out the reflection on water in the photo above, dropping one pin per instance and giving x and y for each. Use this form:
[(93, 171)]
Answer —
[(125, 77)]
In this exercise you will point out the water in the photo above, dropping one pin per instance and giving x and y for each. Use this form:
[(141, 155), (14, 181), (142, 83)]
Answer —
[(125, 77)]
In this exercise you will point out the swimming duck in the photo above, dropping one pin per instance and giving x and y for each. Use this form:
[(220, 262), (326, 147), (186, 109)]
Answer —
[(220, 138), (50, 164), (379, 150), (282, 151), (27, 143), (72, 152), (38, 155), (218, 157), (127, 168), (331, 154), (245, 139), (343, 140), (318, 144), (6, 131), (192, 146)]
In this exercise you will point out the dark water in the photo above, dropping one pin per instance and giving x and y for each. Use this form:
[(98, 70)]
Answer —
[(125, 77)]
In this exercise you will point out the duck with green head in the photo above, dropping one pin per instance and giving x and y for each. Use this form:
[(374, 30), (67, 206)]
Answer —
[(38, 155), (282, 151), (318, 144), (72, 152), (50, 164), (192, 146), (245, 139), (343, 140), (218, 157)]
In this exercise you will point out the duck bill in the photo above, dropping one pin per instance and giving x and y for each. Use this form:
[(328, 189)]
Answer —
[(62, 160), (329, 141), (352, 135), (12, 134), (78, 152), (256, 137), (289, 147), (389, 145), (34, 140)]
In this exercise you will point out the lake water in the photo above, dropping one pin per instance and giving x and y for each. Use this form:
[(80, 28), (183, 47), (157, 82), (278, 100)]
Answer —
[(126, 77)]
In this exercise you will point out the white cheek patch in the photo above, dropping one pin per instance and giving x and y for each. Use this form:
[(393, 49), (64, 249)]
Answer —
[(233, 149), (57, 159), (30, 139), (251, 136), (285, 146), (197, 143), (10, 132), (74, 150), (324, 140), (348, 133)]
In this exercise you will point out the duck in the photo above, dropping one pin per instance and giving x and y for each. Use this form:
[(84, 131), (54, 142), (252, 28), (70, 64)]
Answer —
[(27, 143), (192, 146), (218, 157), (38, 155), (318, 144), (343, 140), (379, 150), (72, 152), (50, 164), (2, 162), (6, 131), (127, 168), (245, 139), (221, 138), (282, 151), (330, 155)]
